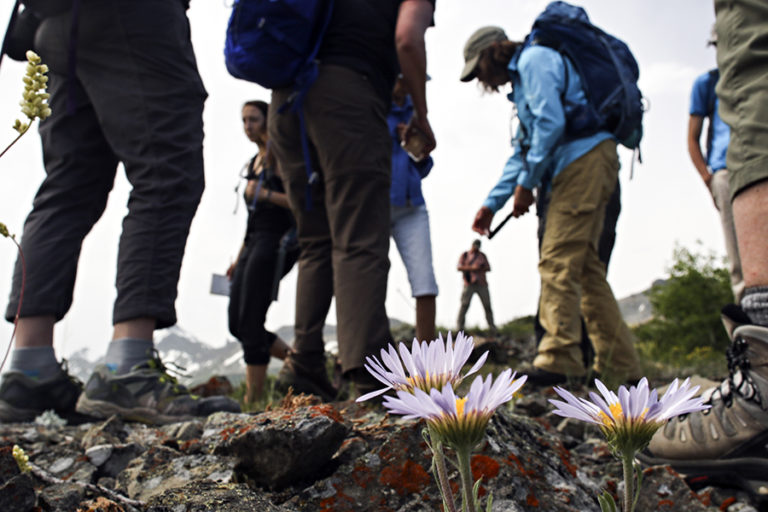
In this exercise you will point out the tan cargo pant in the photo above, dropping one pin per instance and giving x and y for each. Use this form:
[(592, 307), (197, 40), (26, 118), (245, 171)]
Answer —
[(573, 278)]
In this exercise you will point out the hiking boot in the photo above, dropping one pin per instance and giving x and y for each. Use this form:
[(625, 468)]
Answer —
[(363, 381), (303, 378), (538, 377), (146, 394), (23, 398), (727, 443)]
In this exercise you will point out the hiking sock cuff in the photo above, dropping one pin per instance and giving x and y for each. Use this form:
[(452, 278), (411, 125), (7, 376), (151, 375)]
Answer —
[(755, 304), (125, 353), (37, 362)]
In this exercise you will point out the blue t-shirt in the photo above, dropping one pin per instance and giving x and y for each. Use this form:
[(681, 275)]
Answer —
[(704, 103), (543, 98)]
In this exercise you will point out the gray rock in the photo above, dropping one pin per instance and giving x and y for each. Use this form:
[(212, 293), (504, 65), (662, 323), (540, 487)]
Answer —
[(17, 494), (208, 496), (161, 468), (61, 497), (278, 448)]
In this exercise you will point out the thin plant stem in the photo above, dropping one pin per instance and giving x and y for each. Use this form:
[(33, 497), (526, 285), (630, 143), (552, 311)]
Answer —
[(21, 299), (465, 470), (15, 140), (629, 481), (438, 457)]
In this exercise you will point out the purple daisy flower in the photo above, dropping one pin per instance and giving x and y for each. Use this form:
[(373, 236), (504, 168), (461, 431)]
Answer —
[(629, 419), (459, 421), (424, 366)]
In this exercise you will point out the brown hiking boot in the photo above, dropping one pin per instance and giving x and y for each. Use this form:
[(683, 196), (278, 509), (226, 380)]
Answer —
[(311, 379), (727, 443)]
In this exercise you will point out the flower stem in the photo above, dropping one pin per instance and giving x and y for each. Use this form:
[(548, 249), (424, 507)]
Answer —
[(465, 470), (438, 458), (629, 480), (15, 140)]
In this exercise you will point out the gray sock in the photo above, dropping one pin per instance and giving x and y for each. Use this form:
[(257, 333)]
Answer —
[(755, 304), (37, 362), (125, 353)]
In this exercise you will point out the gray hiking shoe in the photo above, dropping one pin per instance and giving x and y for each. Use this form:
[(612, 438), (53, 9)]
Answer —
[(23, 398), (146, 394), (728, 443)]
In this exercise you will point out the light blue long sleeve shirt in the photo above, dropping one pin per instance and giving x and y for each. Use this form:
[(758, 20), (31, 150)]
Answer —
[(544, 98)]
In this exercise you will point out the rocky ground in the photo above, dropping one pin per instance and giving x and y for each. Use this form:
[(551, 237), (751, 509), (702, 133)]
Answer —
[(308, 456)]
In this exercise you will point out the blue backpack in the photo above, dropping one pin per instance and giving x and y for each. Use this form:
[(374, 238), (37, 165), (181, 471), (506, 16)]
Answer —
[(607, 68), (274, 44)]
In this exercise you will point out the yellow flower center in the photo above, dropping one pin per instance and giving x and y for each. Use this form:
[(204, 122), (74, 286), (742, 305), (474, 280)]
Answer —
[(460, 407)]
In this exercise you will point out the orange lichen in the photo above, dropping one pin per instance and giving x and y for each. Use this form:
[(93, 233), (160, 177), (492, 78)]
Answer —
[(484, 467), (339, 502), (665, 503), (531, 500), (727, 502), (409, 478), (326, 410), (565, 458)]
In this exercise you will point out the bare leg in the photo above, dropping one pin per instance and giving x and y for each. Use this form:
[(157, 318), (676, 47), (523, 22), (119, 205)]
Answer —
[(425, 318), (255, 375), (137, 328), (35, 331), (750, 209), (280, 349)]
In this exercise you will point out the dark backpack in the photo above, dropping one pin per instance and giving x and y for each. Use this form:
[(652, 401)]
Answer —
[(607, 68), (274, 44)]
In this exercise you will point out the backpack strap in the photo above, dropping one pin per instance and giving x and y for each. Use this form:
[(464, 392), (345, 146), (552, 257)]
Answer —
[(9, 30), (295, 104)]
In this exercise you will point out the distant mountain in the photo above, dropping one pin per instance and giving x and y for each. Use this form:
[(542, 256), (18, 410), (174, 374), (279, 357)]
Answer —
[(197, 361), (194, 360)]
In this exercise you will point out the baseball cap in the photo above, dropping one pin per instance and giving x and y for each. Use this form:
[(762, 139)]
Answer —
[(477, 42)]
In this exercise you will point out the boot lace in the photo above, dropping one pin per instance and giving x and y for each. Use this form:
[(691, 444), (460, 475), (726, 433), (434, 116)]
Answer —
[(739, 379), (168, 373)]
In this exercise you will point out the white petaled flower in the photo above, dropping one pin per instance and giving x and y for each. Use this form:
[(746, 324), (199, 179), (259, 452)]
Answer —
[(629, 420), (460, 422), (424, 366)]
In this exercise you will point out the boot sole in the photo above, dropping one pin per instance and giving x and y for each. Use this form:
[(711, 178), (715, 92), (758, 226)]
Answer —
[(103, 409), (11, 414), (747, 473)]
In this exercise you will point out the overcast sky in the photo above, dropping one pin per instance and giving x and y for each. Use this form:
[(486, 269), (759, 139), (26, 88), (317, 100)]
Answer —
[(663, 205)]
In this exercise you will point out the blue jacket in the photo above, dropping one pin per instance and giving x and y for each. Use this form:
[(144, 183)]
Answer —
[(543, 98), (704, 103), (406, 174)]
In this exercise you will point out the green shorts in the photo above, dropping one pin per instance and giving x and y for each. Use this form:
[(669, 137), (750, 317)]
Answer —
[(742, 57)]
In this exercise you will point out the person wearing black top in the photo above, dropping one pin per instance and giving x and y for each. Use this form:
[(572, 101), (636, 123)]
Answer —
[(344, 235), (259, 265)]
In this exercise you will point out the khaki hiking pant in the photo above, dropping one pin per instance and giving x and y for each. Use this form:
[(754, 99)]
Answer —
[(573, 277)]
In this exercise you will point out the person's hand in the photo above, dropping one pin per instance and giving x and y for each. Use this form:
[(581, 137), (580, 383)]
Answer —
[(400, 130), (419, 126), (231, 270), (523, 201), (264, 194), (482, 222)]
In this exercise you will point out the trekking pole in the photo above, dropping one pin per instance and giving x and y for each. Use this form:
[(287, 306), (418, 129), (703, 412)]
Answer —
[(501, 225)]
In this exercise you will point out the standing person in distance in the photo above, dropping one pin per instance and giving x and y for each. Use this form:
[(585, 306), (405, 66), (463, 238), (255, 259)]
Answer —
[(260, 263)]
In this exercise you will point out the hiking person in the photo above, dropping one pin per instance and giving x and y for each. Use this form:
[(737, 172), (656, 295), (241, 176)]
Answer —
[(473, 265), (260, 263), (580, 172), (605, 246), (727, 442), (132, 97), (344, 230), (712, 169), (410, 219)]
